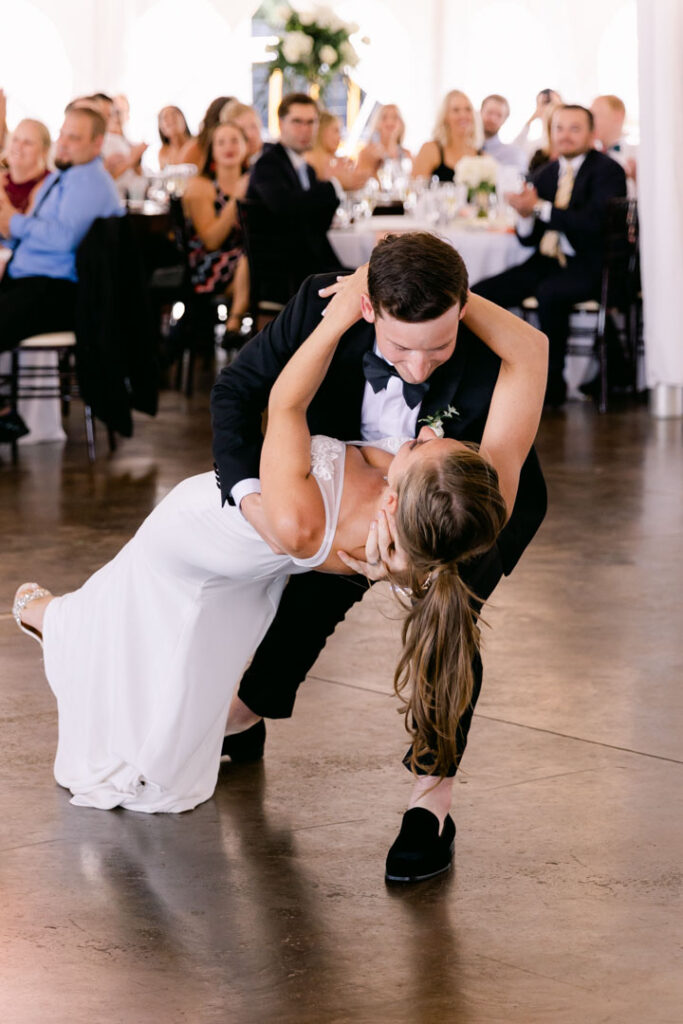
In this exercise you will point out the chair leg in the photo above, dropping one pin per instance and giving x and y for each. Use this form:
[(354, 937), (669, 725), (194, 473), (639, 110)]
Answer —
[(111, 437), (189, 373), (89, 432)]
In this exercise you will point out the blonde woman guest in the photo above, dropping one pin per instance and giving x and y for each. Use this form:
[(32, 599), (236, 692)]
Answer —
[(174, 135), (546, 152), (27, 155), (323, 157), (217, 260), (454, 138), (249, 121), (386, 139)]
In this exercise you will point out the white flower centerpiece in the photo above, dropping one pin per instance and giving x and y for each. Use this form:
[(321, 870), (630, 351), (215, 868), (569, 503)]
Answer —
[(315, 43), (479, 175)]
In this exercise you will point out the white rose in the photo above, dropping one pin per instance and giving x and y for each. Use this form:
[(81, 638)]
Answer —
[(306, 17), (352, 27), (473, 171), (348, 55), (488, 169), (282, 13), (322, 16), (328, 55), (296, 46)]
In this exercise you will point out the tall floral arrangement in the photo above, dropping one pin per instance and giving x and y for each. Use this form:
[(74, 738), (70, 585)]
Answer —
[(315, 43)]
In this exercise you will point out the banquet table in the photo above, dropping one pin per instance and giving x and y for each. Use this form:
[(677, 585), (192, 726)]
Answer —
[(487, 249)]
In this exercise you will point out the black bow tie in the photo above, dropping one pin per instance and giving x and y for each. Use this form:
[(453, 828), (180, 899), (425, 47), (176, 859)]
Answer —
[(377, 373)]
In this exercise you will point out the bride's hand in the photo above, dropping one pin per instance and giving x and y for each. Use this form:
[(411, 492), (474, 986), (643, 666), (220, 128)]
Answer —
[(346, 295), (383, 553)]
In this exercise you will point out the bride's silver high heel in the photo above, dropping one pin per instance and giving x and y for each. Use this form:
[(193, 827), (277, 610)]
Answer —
[(26, 593)]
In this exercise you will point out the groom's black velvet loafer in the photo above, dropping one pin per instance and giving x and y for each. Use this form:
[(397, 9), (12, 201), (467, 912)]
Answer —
[(419, 852), (246, 746)]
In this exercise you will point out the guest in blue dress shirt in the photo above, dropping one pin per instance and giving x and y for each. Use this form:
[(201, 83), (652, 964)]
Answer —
[(495, 111), (38, 290)]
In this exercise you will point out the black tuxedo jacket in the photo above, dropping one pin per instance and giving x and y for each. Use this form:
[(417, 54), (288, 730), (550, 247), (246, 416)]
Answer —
[(304, 215), (466, 381), (599, 179)]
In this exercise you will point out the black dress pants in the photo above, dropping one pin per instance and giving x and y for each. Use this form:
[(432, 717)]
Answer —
[(311, 607), (34, 305), (556, 288)]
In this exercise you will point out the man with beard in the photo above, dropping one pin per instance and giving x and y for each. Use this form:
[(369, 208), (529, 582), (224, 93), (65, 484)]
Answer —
[(38, 290)]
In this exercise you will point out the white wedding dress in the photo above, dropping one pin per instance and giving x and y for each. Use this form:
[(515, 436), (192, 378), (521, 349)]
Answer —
[(144, 658)]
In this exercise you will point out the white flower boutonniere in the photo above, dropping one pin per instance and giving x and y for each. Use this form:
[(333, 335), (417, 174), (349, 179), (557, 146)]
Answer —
[(436, 421)]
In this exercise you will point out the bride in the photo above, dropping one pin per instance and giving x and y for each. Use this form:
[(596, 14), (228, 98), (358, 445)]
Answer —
[(144, 657)]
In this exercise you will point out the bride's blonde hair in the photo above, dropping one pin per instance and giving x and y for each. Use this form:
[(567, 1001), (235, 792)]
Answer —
[(449, 511)]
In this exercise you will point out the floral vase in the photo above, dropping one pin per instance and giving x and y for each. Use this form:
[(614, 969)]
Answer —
[(480, 198)]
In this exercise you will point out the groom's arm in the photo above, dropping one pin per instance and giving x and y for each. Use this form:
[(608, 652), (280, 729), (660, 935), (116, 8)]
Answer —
[(240, 394)]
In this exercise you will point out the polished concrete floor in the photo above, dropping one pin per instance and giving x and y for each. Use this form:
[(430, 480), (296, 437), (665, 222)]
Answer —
[(565, 903)]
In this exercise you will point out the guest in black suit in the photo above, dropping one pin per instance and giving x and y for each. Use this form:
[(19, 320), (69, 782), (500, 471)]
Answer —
[(562, 214), (301, 205), (410, 277)]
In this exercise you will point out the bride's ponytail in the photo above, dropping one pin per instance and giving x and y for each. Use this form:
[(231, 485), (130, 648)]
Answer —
[(448, 512)]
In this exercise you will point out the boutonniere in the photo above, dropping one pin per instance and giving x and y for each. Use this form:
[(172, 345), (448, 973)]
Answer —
[(436, 421)]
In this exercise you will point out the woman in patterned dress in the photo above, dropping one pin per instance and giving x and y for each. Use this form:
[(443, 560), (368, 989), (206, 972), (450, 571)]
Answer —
[(218, 263)]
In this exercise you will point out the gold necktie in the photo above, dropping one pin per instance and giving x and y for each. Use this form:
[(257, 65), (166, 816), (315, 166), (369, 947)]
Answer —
[(550, 243)]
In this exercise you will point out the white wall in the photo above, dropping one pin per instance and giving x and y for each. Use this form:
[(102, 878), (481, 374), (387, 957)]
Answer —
[(188, 51)]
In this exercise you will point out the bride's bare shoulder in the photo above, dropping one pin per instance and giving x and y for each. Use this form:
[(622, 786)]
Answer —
[(378, 458)]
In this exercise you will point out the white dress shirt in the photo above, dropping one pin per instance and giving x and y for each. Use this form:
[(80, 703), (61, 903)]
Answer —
[(384, 413)]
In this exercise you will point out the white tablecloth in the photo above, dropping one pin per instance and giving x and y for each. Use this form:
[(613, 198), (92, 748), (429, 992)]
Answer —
[(485, 252)]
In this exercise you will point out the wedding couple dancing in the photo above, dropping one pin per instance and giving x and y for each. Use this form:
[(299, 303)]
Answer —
[(145, 657)]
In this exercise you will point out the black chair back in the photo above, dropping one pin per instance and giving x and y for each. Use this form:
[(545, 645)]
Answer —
[(273, 269), (621, 278)]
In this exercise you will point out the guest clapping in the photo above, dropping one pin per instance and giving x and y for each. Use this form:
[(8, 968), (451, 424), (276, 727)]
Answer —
[(454, 138), (174, 135), (323, 157), (217, 260), (386, 139), (27, 163), (547, 101)]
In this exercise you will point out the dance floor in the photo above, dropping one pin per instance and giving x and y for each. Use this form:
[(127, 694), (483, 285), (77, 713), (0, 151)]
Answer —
[(268, 902)]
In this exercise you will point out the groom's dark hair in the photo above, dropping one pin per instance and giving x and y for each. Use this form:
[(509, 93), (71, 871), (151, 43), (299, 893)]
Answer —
[(415, 277)]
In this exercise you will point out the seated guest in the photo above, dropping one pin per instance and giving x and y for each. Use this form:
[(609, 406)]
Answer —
[(38, 290), (323, 157), (609, 114), (495, 111), (247, 118), (301, 205), (174, 135), (562, 215), (121, 157), (27, 163), (454, 137), (386, 140), (547, 100), (194, 151), (216, 254)]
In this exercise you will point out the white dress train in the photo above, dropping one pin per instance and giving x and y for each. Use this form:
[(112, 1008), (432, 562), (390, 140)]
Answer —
[(144, 658)]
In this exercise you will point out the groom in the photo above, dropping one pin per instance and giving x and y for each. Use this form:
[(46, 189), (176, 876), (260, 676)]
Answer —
[(407, 357)]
